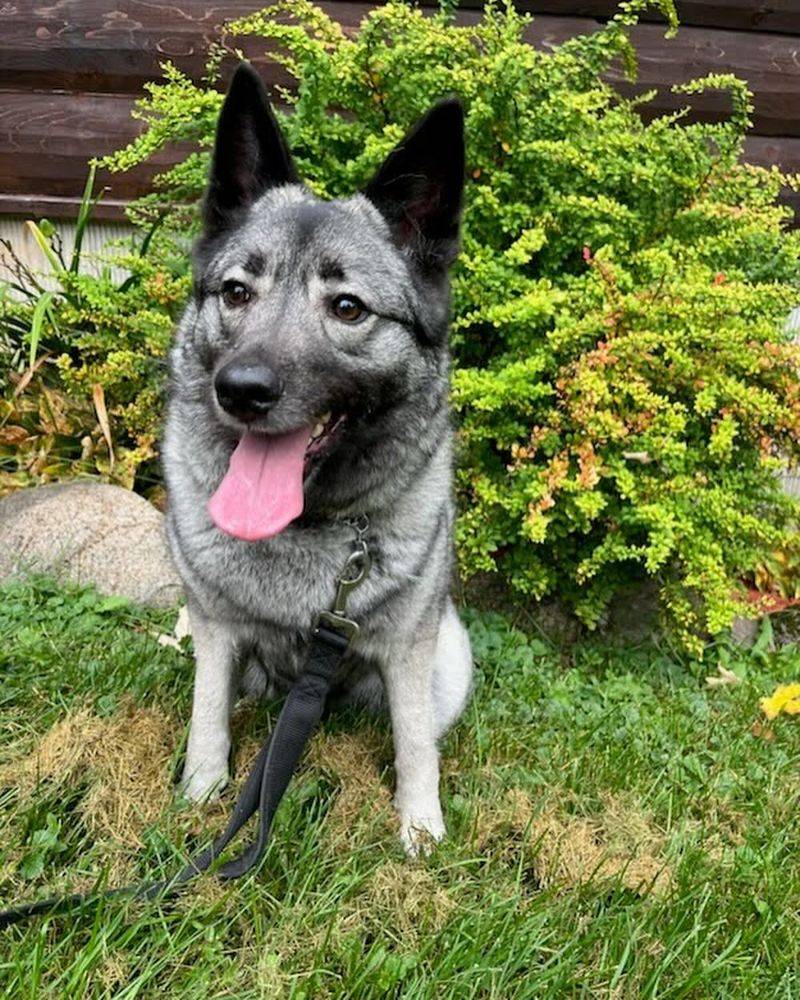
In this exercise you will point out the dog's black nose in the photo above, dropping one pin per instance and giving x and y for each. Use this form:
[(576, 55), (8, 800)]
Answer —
[(247, 389)]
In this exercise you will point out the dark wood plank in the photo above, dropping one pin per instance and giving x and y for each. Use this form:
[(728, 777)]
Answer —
[(769, 63), (117, 45), (777, 151), (46, 140), (792, 199), (42, 206), (774, 151), (781, 16), (103, 46)]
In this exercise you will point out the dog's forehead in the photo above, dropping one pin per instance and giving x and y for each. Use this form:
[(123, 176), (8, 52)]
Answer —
[(305, 232)]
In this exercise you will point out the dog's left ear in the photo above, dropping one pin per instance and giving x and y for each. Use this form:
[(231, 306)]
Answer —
[(250, 153), (419, 187)]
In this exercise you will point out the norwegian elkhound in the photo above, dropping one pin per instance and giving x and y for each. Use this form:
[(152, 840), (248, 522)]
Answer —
[(309, 381)]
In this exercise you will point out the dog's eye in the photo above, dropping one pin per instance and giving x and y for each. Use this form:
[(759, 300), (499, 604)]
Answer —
[(348, 308), (234, 294)]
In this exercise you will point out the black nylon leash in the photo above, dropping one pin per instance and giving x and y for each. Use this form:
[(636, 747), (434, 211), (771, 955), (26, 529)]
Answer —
[(273, 768)]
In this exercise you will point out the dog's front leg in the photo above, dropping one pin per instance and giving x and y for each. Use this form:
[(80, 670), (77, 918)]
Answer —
[(408, 679), (205, 772)]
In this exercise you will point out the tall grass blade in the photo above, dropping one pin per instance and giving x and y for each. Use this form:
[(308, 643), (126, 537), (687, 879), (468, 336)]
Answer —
[(84, 215), (47, 250), (37, 322)]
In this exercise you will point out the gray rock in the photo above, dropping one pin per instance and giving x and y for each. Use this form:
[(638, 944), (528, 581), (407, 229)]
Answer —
[(744, 631), (633, 615), (91, 534)]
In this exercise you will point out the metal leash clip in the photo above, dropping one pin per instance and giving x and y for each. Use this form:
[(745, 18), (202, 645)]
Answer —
[(354, 572)]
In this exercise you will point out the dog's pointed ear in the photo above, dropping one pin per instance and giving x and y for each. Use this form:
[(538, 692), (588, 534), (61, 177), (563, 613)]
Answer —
[(419, 187), (250, 152)]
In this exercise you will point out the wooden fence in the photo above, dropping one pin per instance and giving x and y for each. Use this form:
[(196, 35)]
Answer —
[(70, 71)]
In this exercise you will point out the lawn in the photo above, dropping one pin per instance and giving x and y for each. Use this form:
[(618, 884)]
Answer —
[(617, 828)]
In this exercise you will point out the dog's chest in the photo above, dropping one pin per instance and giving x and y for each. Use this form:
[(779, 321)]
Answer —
[(271, 659)]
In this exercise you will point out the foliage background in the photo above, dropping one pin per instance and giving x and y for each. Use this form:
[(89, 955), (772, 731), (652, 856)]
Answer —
[(623, 384)]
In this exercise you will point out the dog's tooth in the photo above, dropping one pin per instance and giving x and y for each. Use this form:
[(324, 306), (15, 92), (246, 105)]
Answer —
[(318, 429), (326, 417)]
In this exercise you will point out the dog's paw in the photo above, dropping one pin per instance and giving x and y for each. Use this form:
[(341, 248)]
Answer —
[(420, 832), (203, 784)]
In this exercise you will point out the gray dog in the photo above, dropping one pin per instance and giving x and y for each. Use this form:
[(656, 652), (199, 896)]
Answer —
[(309, 389)]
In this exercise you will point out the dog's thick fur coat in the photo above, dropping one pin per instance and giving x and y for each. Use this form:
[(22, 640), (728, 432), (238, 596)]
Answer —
[(252, 604)]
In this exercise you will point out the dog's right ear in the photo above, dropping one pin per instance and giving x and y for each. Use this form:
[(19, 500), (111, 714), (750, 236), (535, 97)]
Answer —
[(250, 153)]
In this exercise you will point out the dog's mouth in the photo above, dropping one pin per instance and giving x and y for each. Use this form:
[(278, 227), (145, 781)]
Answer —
[(262, 491), (324, 434)]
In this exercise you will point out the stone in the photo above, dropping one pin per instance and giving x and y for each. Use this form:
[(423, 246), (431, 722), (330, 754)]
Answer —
[(633, 615), (91, 534), (744, 631)]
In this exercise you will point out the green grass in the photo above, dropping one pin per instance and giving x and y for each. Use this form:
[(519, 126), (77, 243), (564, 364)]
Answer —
[(615, 829)]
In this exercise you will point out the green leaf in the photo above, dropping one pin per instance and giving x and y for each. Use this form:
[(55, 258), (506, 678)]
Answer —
[(41, 308), (84, 215), (112, 603), (32, 865), (764, 642), (44, 245)]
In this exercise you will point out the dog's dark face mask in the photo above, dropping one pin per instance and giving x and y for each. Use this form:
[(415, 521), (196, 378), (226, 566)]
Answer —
[(314, 318)]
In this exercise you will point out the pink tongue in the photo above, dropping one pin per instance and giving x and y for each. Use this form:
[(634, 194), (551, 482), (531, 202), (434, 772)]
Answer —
[(262, 490)]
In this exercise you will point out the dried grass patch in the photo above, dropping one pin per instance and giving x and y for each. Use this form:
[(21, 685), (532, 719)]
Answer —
[(621, 843), (405, 899), (354, 761), (123, 759), (113, 972)]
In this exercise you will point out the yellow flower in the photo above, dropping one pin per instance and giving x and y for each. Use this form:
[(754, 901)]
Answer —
[(786, 698)]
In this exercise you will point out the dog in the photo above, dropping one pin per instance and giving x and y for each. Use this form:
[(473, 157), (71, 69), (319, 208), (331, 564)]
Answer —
[(309, 387)]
